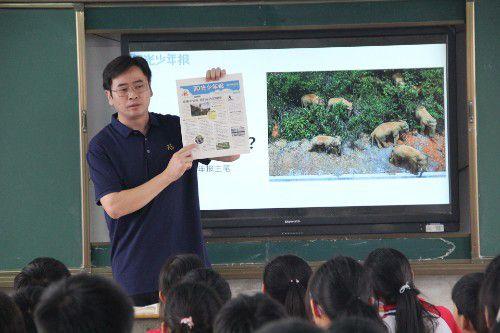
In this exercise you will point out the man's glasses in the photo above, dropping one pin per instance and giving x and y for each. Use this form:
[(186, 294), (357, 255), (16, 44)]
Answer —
[(138, 88)]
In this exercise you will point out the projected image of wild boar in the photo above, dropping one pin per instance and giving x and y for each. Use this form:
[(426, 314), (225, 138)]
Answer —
[(349, 123)]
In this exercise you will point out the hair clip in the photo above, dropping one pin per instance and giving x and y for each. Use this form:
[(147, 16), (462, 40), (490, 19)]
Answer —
[(188, 321), (404, 287), (295, 281)]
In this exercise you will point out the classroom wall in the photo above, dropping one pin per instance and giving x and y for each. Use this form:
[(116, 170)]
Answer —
[(35, 167), (100, 50)]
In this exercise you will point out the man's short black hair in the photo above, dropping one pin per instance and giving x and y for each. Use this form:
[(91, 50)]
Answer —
[(465, 295), (11, 319), (245, 314), (41, 272), (82, 304), (120, 65)]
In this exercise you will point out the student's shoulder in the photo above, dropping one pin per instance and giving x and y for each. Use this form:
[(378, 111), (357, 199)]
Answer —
[(446, 315)]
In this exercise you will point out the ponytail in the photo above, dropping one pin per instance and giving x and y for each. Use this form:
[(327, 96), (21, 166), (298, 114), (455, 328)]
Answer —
[(294, 300), (186, 325), (410, 314), (285, 279), (389, 276), (191, 308)]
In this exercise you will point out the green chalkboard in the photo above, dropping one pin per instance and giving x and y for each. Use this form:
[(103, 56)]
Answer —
[(273, 15), (488, 123), (259, 252), (40, 200)]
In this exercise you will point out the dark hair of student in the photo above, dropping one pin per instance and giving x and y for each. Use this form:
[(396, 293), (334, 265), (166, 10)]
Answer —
[(355, 324), (121, 64), (191, 307), (175, 268), (493, 265), (388, 274), (336, 288), (26, 300), (285, 279), (245, 314), (490, 293), (290, 325), (41, 272), (83, 304), (11, 319), (211, 279), (465, 295)]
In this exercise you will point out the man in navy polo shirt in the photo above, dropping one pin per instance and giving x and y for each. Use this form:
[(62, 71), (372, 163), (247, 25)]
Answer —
[(145, 180)]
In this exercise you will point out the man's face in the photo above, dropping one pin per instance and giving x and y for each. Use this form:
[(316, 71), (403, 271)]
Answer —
[(134, 87)]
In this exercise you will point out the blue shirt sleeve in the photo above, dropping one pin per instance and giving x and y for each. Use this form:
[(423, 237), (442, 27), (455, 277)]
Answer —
[(102, 173)]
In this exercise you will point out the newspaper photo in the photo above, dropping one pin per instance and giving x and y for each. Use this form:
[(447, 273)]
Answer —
[(213, 116)]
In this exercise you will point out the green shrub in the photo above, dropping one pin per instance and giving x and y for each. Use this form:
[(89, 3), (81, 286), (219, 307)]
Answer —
[(375, 96)]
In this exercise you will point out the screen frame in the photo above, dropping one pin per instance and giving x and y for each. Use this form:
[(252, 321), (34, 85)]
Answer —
[(327, 220)]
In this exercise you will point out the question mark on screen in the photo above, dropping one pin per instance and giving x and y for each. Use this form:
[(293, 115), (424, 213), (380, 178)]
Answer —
[(252, 140)]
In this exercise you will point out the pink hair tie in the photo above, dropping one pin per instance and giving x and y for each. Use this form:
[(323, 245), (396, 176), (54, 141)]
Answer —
[(188, 321)]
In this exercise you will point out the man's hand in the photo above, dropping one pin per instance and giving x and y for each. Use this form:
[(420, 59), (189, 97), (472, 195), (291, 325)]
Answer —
[(179, 163), (231, 158), (215, 74)]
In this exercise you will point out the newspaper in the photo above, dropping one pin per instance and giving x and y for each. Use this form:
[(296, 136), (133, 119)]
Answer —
[(213, 116)]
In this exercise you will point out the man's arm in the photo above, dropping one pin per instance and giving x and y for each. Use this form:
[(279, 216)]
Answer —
[(118, 204)]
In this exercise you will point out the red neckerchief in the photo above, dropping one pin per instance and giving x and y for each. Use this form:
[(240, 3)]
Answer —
[(389, 309)]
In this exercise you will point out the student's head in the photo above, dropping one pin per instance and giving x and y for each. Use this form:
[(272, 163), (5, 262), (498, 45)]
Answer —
[(289, 325), (335, 291), (190, 307), (490, 294), (26, 300), (245, 314), (127, 83), (41, 272), (493, 265), (285, 279), (355, 324), (11, 319), (174, 269), (389, 276), (83, 304), (211, 279), (465, 295)]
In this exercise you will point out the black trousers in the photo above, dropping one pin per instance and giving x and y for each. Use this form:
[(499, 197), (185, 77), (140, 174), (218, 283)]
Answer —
[(145, 299)]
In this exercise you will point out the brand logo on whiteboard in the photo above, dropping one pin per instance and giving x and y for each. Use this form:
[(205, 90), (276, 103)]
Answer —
[(292, 221)]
